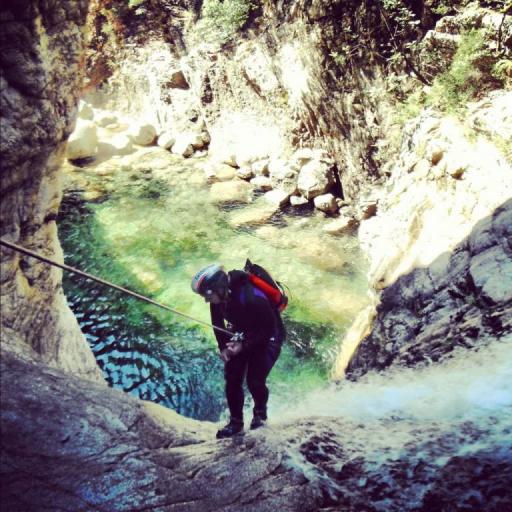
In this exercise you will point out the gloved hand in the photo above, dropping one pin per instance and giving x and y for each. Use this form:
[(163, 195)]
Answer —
[(234, 348), (225, 355)]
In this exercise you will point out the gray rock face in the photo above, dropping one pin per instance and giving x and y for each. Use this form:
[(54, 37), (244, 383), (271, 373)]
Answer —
[(41, 78), (461, 299), (69, 444)]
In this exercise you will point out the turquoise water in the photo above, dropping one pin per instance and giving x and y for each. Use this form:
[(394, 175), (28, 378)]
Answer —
[(151, 226)]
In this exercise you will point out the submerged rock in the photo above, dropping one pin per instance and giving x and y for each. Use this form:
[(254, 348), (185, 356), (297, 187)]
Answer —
[(236, 191), (257, 214), (341, 225)]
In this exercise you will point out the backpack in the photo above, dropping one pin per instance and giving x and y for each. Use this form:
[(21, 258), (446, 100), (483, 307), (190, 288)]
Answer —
[(262, 280)]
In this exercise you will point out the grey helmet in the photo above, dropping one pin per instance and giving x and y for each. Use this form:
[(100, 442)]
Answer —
[(209, 279)]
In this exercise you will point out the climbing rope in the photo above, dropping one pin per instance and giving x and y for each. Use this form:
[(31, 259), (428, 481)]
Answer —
[(138, 296)]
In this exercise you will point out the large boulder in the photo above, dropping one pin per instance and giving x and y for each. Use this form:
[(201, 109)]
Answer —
[(166, 140), (183, 146), (283, 175), (215, 171), (326, 203), (315, 178), (83, 142), (142, 134), (277, 196)]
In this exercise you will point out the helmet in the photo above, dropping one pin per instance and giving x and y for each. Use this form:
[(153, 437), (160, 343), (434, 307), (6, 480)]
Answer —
[(213, 277)]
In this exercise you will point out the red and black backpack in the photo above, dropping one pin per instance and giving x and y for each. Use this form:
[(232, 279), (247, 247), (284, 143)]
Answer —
[(262, 280)]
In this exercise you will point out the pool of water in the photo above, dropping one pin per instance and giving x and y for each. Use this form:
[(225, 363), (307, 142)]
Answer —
[(150, 225)]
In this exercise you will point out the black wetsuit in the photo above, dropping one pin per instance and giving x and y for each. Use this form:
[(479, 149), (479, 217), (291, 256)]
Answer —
[(248, 311)]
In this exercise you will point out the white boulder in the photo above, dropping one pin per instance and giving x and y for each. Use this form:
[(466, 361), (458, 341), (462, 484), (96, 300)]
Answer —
[(166, 140), (315, 178), (142, 134), (83, 142), (245, 173), (326, 203), (260, 167), (261, 183), (298, 201), (283, 176), (277, 196), (183, 146)]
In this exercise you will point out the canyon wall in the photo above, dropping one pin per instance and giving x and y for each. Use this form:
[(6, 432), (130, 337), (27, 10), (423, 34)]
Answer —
[(41, 72), (281, 83), (72, 444)]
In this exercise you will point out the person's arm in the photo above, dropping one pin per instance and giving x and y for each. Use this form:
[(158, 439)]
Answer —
[(218, 321)]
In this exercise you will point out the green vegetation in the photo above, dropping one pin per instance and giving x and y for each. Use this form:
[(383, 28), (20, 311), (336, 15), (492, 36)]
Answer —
[(463, 80), (222, 19), (471, 73), (502, 70)]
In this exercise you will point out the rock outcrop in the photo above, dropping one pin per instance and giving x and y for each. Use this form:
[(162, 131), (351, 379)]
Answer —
[(462, 299), (71, 444), (40, 83), (438, 237)]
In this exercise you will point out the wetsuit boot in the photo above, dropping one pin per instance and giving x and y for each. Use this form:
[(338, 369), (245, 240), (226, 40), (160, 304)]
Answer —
[(234, 426), (259, 418)]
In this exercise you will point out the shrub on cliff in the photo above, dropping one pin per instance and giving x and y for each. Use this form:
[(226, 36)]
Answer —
[(222, 19), (469, 75)]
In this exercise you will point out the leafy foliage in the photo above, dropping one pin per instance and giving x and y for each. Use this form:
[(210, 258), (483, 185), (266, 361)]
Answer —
[(222, 19), (503, 70), (463, 80)]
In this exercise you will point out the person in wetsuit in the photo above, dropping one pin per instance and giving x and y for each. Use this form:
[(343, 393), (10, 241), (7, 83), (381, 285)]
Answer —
[(240, 307)]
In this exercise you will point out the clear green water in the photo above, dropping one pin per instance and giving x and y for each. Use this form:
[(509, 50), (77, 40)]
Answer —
[(154, 228)]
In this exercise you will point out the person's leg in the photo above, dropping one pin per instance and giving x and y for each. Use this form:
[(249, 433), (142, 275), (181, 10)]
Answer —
[(260, 361), (234, 373)]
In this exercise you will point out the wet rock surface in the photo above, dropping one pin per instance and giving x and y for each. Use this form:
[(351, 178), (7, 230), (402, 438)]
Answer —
[(71, 444), (463, 299)]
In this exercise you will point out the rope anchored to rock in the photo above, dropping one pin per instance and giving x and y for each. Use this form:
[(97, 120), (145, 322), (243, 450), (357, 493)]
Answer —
[(67, 268)]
